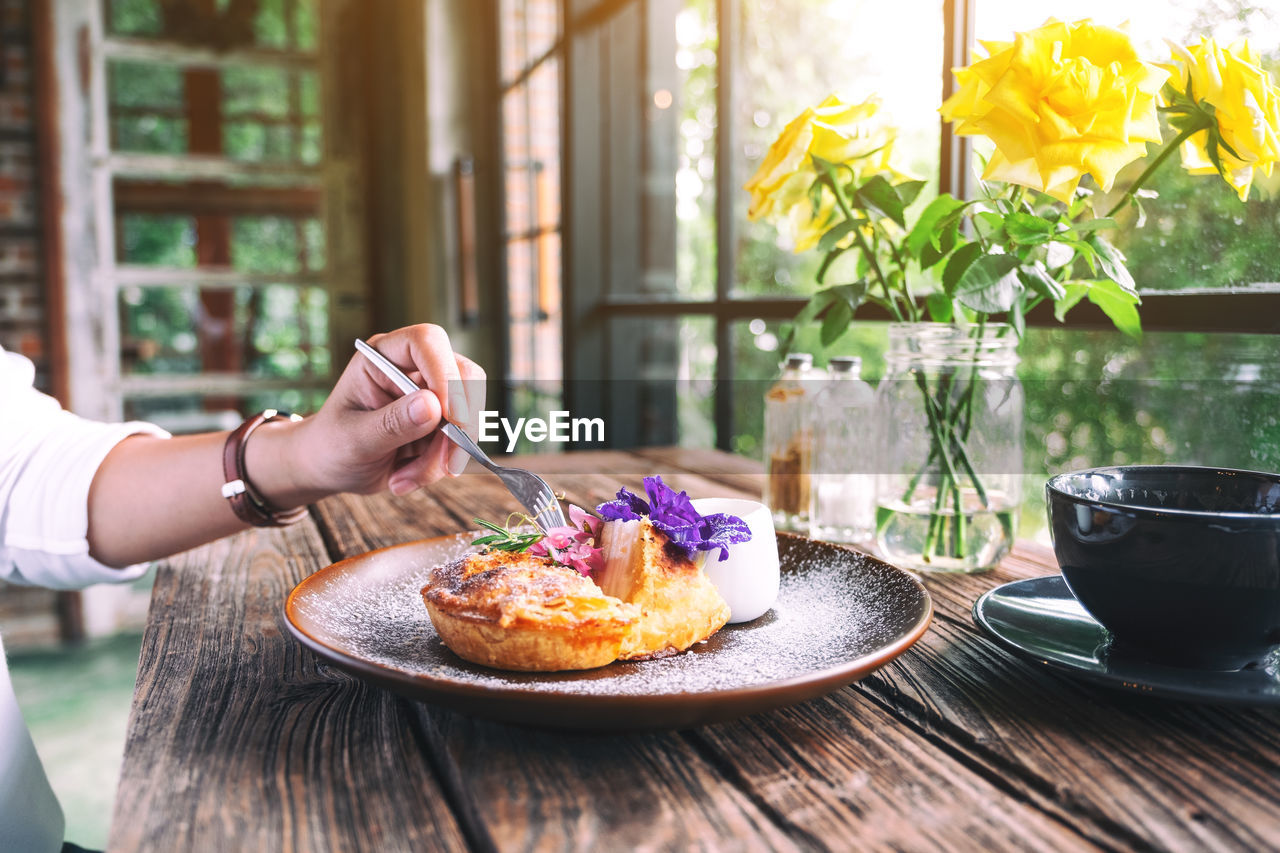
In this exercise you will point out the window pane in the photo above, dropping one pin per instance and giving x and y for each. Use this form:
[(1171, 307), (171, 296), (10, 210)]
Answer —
[(531, 155), (1198, 234), (146, 105), (313, 244), (544, 26), (254, 89), (1098, 398), (306, 26), (790, 57), (190, 413), (166, 240), (692, 85), (265, 244), (667, 389), (271, 27), (277, 331), (516, 157), (158, 331), (512, 26), (544, 142), (134, 17)]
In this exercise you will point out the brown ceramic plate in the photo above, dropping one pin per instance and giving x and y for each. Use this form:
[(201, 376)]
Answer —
[(840, 615)]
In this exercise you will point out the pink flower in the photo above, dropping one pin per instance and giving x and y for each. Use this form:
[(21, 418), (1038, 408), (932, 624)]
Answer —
[(583, 557), (573, 544), (583, 520), (559, 538)]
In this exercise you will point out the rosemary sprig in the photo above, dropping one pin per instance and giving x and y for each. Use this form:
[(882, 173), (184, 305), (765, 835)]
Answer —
[(506, 539)]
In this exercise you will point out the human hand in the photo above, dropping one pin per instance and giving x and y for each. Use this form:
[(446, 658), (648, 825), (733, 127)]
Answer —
[(367, 437)]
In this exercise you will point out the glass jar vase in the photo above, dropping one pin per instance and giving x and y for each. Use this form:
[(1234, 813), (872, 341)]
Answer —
[(949, 425)]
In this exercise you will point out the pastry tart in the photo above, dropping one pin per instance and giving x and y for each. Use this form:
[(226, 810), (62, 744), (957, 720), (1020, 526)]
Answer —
[(517, 611)]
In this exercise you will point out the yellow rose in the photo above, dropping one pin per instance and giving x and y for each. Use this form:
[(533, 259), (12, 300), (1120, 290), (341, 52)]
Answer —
[(833, 130), (1246, 105), (1059, 102)]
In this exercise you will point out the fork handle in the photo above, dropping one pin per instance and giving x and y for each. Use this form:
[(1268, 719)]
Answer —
[(460, 438)]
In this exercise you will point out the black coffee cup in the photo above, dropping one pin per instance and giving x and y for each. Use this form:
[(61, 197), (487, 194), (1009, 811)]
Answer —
[(1181, 564)]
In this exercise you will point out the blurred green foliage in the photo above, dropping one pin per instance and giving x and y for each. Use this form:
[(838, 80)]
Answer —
[(278, 24)]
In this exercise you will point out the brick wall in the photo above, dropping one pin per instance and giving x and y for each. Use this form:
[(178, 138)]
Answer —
[(22, 304), (28, 616)]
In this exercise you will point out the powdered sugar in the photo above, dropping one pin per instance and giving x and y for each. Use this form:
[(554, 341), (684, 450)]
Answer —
[(834, 607)]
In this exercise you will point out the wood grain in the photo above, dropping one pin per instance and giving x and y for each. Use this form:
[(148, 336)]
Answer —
[(1130, 771), (239, 739)]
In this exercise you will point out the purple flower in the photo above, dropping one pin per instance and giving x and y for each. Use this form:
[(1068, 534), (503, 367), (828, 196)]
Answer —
[(672, 512), (628, 507), (722, 530)]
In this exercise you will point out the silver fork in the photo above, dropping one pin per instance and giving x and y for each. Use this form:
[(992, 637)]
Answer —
[(528, 488)]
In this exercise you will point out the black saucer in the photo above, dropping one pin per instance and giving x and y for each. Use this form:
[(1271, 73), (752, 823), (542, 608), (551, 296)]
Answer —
[(1039, 620)]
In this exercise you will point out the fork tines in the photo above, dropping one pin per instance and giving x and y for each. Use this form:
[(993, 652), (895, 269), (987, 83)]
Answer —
[(547, 509)]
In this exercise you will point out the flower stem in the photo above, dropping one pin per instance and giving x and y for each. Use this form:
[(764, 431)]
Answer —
[(1155, 164), (870, 255)]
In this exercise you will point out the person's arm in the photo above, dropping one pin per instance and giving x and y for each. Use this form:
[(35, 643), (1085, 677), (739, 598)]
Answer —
[(153, 497)]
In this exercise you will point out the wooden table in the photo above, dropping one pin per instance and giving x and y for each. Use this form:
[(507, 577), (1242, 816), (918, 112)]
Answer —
[(241, 739)]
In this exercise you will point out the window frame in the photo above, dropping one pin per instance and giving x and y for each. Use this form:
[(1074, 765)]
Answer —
[(85, 168)]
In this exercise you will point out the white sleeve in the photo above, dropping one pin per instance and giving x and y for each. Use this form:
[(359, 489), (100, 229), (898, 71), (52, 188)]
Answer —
[(48, 458)]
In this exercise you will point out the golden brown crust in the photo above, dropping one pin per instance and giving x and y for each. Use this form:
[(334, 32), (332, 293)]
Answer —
[(516, 611), (679, 605)]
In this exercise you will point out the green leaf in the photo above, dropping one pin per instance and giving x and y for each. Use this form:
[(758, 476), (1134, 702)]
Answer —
[(815, 197), (936, 250), (827, 262), (930, 218), (1111, 260), (490, 525), (879, 195), (1119, 304), (862, 266), (1058, 254), (908, 190), (960, 261), (1074, 291), (835, 234), (989, 225), (855, 293), (485, 540), (1037, 279), (1027, 229), (941, 308), (1083, 250), (1094, 225), (990, 284), (1018, 315), (836, 322), (818, 303)]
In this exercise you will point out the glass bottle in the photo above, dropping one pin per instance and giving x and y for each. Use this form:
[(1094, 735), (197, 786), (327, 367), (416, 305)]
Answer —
[(842, 485), (950, 435), (788, 442)]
